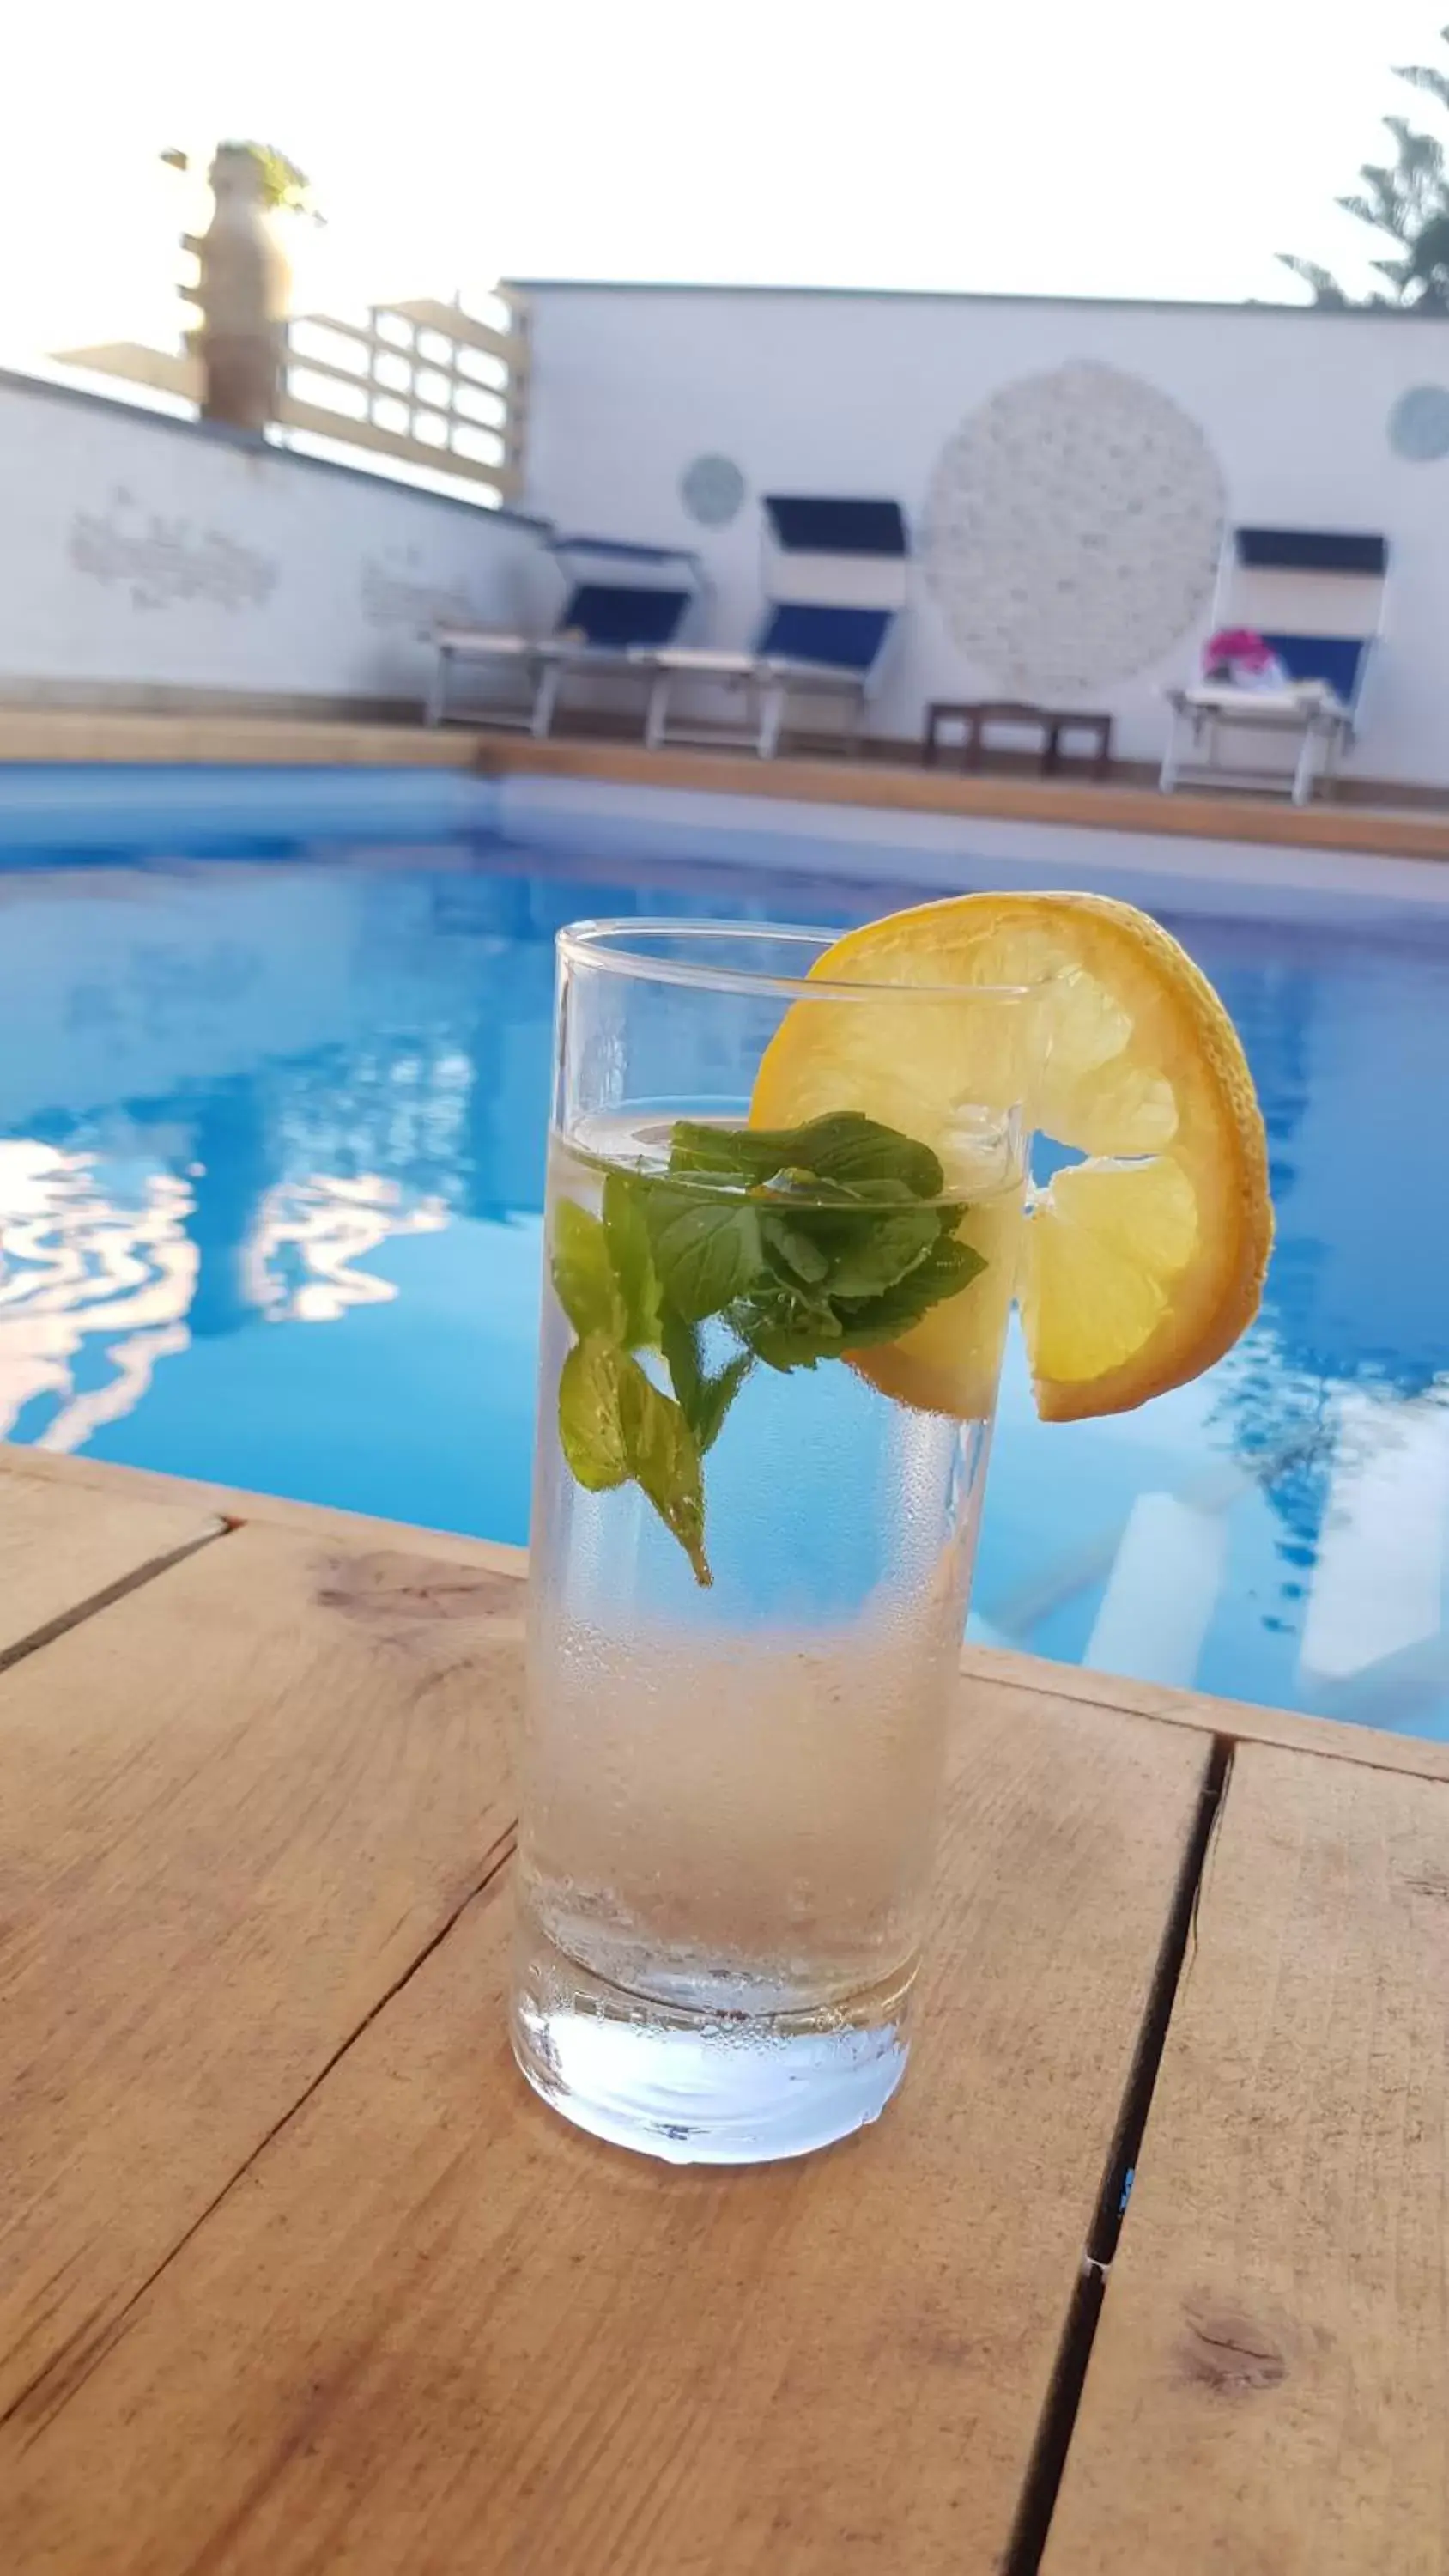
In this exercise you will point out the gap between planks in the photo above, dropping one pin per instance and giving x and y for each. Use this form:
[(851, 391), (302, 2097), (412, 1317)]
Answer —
[(130, 1581), (241, 1508), (1048, 2460), (1227, 1721), (68, 2369)]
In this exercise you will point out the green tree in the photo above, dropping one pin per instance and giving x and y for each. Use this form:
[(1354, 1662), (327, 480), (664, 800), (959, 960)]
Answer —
[(284, 186), (1406, 201)]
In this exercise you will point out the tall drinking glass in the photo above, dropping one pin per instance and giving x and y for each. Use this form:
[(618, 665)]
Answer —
[(753, 1523)]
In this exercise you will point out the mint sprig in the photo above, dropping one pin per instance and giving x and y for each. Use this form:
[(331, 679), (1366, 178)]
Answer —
[(805, 1243), (615, 1426), (843, 1146)]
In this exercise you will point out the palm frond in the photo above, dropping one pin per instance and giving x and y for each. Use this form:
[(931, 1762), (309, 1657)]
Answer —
[(1325, 286), (1423, 76)]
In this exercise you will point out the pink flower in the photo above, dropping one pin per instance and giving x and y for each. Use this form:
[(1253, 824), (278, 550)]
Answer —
[(1237, 644)]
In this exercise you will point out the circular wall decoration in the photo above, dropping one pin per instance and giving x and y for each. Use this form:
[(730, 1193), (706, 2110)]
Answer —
[(712, 490), (1073, 529), (1419, 424)]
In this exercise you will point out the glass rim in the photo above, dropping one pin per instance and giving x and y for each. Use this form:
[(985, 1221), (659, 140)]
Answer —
[(602, 945)]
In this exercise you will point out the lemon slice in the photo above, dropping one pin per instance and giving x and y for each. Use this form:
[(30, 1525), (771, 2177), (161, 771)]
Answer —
[(1143, 1262)]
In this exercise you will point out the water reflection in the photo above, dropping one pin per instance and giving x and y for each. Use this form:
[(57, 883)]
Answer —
[(1281, 1530), (81, 1263), (107, 1270), (1347, 1045), (228, 1089), (309, 1234)]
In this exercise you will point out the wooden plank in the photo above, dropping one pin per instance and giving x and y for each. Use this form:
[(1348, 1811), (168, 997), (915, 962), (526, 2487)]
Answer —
[(890, 781), (361, 384), (234, 1809), (169, 372), (233, 1503), (452, 323), (390, 442), (1236, 1721), (363, 333), (896, 783), (87, 733), (422, 310), (1269, 2390), (63, 1550), (434, 2329), (164, 370)]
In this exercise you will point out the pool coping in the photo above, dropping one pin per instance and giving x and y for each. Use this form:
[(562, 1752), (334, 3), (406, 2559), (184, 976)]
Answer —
[(40, 735), (884, 786)]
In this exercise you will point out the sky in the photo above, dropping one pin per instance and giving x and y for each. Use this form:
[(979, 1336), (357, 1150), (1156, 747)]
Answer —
[(1126, 147)]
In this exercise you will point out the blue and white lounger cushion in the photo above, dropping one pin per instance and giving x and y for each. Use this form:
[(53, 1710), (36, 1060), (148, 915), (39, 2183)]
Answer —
[(619, 600), (835, 576), (1316, 598)]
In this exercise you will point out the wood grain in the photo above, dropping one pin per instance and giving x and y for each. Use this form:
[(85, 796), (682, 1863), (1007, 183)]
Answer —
[(434, 2330), (62, 1550), (234, 1808), (93, 733), (1269, 2390), (1236, 1721), (235, 1504)]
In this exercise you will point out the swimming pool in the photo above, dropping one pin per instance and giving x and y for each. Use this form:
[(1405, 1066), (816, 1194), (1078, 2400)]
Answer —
[(271, 1170)]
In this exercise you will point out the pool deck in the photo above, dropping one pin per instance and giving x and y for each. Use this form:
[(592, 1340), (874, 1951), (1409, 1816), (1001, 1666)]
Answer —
[(296, 2274), (1417, 828)]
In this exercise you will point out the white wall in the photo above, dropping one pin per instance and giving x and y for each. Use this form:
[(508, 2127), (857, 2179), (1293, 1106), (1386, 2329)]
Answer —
[(139, 552), (858, 394)]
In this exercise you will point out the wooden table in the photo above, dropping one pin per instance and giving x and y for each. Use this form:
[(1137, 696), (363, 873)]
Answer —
[(976, 715), (295, 2276)]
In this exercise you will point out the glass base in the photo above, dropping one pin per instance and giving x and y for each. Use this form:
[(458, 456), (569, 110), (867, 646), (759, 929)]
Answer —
[(699, 2086)]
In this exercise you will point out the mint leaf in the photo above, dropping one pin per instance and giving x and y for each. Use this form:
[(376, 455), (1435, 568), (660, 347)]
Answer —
[(744, 1155), (683, 1357), (583, 1274), (615, 1427), (847, 1147), (706, 1252), (664, 1461), (791, 1245), (840, 1147), (879, 1250), (808, 1242), (703, 1400), (715, 1397), (627, 1238), (591, 1428), (788, 1331), (844, 1146), (943, 1273)]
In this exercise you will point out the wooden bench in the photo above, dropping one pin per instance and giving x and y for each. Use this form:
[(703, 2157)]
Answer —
[(975, 717)]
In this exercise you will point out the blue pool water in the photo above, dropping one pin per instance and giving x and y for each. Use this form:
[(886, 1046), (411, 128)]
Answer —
[(271, 1169)]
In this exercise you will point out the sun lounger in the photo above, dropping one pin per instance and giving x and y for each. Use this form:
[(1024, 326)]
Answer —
[(1316, 598), (835, 581), (620, 599)]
